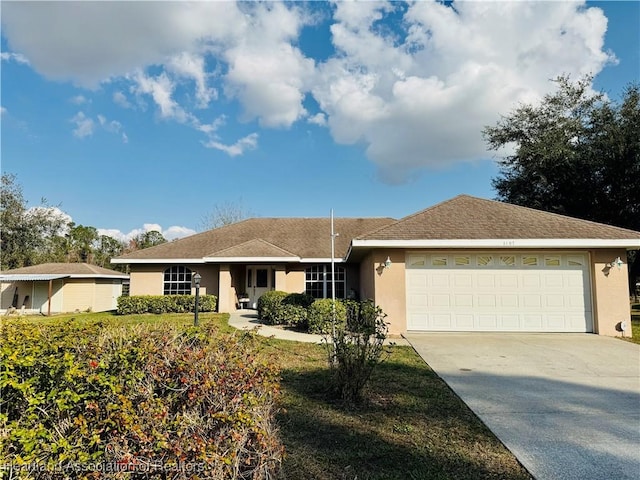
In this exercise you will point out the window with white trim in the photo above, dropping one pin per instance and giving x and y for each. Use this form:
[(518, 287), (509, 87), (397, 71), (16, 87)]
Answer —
[(177, 280), (318, 281)]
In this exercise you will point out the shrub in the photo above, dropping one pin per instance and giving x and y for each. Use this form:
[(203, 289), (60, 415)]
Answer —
[(293, 315), (142, 398), (268, 304), (165, 304), (356, 348), (300, 299), (320, 315)]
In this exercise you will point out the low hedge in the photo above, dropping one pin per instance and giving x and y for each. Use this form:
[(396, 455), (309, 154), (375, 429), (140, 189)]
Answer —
[(268, 305), (130, 305), (320, 315), (300, 310), (84, 400)]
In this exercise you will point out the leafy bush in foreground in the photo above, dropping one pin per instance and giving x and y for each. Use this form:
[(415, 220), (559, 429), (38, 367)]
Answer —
[(169, 402), (158, 304), (355, 348)]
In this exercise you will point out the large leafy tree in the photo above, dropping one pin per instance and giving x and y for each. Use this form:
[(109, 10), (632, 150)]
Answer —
[(575, 153), (27, 235)]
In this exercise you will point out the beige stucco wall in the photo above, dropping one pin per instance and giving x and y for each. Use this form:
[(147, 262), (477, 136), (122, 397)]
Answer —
[(146, 279), (367, 278), (149, 279), (610, 292), (78, 295), (389, 287), (295, 280), (68, 295)]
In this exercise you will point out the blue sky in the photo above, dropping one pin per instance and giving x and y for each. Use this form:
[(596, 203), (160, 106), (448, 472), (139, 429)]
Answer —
[(146, 115)]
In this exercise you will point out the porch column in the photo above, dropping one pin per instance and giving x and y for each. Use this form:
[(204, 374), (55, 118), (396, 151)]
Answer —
[(225, 303), (281, 278)]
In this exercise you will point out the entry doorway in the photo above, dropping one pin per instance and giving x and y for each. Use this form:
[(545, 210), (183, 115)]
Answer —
[(258, 281)]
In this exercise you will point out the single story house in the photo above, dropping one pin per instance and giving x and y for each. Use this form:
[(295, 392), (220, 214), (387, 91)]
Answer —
[(61, 287), (466, 264)]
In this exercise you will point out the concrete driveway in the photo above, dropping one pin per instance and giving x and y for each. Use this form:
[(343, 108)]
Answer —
[(567, 405)]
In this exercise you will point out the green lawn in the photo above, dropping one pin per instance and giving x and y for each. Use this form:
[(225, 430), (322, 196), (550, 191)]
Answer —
[(635, 323), (411, 427)]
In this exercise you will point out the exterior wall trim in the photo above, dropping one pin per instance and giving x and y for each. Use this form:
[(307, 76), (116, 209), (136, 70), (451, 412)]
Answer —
[(249, 259), (498, 243), (168, 261)]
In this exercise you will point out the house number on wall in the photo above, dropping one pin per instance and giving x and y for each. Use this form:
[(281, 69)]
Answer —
[(508, 243)]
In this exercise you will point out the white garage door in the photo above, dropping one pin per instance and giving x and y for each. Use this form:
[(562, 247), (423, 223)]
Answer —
[(503, 291)]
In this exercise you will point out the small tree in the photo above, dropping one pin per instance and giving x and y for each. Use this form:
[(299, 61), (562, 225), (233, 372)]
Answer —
[(356, 347), (224, 213)]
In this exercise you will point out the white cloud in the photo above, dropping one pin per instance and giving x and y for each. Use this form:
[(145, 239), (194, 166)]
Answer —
[(3, 111), (79, 100), (250, 142), (171, 233), (84, 125), (161, 90), (120, 99), (175, 232), (14, 57), (415, 94), (192, 66), (318, 119), (422, 102)]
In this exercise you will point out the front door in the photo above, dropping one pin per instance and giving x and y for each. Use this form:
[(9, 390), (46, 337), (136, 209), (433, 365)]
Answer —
[(258, 282)]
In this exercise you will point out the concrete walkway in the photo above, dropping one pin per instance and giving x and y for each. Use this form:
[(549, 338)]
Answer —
[(567, 405), (248, 320)]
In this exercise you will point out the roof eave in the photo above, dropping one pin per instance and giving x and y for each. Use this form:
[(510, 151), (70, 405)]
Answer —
[(499, 243), (250, 259), (126, 261)]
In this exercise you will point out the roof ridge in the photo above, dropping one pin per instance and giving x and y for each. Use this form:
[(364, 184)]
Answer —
[(412, 215), (259, 239)]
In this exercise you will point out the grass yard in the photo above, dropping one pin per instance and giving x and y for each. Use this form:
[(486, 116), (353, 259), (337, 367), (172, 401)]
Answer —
[(411, 427), (635, 323)]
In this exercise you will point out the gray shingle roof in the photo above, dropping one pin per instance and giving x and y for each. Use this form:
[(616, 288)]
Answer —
[(65, 269), (470, 218), (300, 237)]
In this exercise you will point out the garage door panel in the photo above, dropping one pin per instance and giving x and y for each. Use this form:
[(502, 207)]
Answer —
[(553, 281), (439, 280), (510, 322), (555, 301), (463, 280), (464, 321), (508, 300), (417, 281), (508, 281), (440, 301), (465, 300), (485, 280), (418, 322), (488, 300), (531, 301), (441, 320), (488, 321), (531, 280), (496, 292)]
